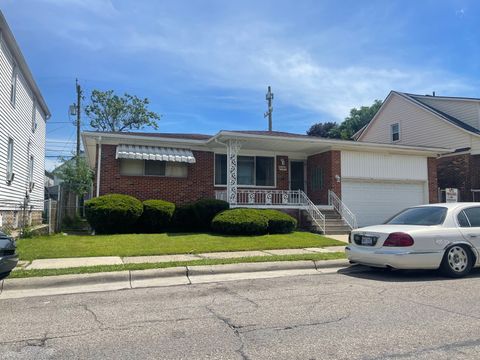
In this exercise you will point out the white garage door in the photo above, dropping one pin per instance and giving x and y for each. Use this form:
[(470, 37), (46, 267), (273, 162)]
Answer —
[(374, 202)]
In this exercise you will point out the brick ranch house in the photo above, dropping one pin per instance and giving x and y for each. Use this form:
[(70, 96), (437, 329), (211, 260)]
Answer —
[(363, 183)]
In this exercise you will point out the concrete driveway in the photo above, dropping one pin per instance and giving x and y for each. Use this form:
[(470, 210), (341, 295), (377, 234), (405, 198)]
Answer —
[(354, 314)]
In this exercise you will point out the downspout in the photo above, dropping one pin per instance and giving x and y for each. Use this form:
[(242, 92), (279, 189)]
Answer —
[(99, 163)]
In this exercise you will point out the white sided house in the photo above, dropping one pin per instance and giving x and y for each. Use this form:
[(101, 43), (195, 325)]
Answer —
[(335, 185), (23, 115), (438, 121)]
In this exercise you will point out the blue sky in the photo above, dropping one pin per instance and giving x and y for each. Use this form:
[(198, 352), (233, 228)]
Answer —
[(205, 65)]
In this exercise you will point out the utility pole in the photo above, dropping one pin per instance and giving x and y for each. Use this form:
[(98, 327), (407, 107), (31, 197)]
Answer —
[(269, 97), (79, 97)]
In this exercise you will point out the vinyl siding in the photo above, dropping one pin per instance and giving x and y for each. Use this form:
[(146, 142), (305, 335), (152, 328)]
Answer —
[(383, 166), (417, 127), (16, 122), (466, 111)]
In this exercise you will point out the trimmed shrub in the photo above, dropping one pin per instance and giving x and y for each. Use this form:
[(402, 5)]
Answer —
[(206, 209), (157, 216), (240, 222), (113, 213), (279, 222), (184, 218)]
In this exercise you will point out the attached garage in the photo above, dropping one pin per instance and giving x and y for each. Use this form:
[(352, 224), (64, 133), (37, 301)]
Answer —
[(376, 186), (373, 202)]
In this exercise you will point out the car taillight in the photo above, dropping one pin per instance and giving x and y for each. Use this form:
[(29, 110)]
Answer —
[(350, 237), (398, 239)]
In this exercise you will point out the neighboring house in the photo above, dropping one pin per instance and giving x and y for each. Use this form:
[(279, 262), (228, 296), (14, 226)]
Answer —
[(438, 121), (23, 115), (266, 169)]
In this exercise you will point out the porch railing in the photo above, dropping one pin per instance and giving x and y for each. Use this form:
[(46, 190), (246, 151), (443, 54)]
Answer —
[(342, 209), (278, 198)]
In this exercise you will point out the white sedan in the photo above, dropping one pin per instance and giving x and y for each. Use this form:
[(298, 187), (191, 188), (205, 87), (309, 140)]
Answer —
[(437, 236)]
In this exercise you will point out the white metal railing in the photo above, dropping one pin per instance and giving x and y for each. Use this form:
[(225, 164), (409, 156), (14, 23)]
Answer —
[(342, 209), (277, 198)]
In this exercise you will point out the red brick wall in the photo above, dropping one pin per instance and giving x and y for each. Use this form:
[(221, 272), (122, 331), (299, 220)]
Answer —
[(432, 180), (456, 172), (198, 183), (330, 163)]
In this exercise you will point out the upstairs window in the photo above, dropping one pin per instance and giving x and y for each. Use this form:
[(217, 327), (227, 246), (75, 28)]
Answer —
[(395, 132), (13, 85), (10, 160)]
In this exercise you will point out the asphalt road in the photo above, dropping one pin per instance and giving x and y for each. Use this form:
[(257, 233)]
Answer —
[(360, 314)]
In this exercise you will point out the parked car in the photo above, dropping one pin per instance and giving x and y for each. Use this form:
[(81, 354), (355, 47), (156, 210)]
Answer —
[(437, 236), (8, 255)]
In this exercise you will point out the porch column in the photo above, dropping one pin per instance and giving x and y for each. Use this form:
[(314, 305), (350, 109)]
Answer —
[(233, 147)]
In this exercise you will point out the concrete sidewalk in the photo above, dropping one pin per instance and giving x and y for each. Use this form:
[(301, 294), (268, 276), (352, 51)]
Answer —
[(117, 260)]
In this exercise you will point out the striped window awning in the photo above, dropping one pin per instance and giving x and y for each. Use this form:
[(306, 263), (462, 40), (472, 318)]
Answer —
[(140, 152)]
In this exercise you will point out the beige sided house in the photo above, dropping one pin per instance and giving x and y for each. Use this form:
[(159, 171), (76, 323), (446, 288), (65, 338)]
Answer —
[(434, 121), (23, 115)]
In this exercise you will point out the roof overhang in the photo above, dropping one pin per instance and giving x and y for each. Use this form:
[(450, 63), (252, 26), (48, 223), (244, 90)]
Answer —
[(7, 36)]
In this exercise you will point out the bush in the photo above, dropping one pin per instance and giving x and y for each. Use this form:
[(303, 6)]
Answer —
[(157, 216), (113, 213), (184, 218), (279, 222), (253, 222), (206, 209), (240, 222)]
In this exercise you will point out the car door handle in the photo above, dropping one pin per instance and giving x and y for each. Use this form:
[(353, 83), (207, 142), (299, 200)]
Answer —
[(473, 235)]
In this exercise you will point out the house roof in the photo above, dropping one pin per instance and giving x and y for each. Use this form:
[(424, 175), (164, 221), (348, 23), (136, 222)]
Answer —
[(7, 36), (449, 118), (185, 136)]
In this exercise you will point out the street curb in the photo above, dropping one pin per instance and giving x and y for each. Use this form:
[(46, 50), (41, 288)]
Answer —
[(127, 277)]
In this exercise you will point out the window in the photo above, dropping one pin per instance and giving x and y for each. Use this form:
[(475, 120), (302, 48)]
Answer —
[(317, 178), (30, 170), (153, 167), (428, 215), (472, 216), (462, 220), (130, 167), (13, 85), (10, 160), (34, 116), (395, 132), (251, 170), (220, 169)]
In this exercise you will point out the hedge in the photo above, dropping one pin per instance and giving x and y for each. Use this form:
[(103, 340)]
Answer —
[(206, 209), (184, 218), (157, 216), (279, 222), (240, 222), (113, 213)]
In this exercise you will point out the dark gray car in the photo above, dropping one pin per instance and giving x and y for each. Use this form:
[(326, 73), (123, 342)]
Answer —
[(8, 255)]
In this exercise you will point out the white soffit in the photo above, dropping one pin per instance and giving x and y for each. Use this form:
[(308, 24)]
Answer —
[(140, 152)]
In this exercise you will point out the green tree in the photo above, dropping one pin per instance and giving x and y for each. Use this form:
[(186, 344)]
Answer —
[(76, 175), (110, 112), (358, 118), (327, 129)]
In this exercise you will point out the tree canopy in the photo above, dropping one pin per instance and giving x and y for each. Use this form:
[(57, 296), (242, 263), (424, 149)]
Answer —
[(76, 175), (357, 119), (110, 112)]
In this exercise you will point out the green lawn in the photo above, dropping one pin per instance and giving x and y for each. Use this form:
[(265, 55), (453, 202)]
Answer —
[(61, 246), (145, 266)]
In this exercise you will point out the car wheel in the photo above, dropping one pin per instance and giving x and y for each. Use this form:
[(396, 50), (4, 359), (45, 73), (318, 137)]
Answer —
[(4, 275), (457, 261)]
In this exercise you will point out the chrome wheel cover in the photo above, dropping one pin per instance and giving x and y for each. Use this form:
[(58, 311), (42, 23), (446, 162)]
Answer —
[(457, 258)]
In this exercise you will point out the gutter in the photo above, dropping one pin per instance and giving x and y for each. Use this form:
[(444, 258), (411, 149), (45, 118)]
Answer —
[(99, 163)]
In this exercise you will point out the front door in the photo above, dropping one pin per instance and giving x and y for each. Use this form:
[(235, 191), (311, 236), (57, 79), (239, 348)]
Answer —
[(297, 175)]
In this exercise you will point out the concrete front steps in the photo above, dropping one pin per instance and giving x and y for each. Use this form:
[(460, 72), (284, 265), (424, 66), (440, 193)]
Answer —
[(334, 224)]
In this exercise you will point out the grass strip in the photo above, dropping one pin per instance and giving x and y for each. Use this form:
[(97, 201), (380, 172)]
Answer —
[(145, 266)]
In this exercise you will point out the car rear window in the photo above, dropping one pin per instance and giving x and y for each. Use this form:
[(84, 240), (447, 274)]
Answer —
[(429, 215)]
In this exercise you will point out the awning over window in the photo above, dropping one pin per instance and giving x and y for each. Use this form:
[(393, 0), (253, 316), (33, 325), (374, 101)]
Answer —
[(125, 151)]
